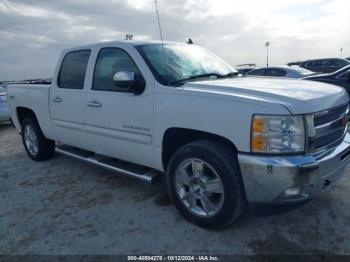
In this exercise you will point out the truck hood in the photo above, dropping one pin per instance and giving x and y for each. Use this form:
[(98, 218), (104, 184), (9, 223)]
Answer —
[(298, 96)]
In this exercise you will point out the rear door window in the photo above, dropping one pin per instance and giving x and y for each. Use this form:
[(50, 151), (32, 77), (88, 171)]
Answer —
[(275, 72), (73, 70), (314, 63), (327, 63), (339, 63), (258, 72)]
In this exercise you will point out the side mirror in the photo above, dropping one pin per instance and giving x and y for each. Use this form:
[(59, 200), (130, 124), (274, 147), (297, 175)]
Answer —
[(348, 76), (128, 80)]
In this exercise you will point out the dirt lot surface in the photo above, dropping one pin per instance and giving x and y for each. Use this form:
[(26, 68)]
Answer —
[(63, 206)]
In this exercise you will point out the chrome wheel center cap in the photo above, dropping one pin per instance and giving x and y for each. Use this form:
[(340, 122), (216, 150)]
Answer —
[(197, 186)]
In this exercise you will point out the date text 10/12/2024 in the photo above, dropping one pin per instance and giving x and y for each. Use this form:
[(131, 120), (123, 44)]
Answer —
[(173, 258)]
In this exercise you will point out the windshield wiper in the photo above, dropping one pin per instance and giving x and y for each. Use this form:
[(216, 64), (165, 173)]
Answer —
[(231, 74), (196, 77)]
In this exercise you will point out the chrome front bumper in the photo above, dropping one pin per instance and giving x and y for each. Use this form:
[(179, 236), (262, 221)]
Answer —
[(283, 179)]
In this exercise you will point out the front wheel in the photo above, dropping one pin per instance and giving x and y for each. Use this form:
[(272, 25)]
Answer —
[(37, 146), (205, 183)]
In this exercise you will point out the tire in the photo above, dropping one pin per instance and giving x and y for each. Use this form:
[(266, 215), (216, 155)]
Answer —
[(41, 148), (217, 163)]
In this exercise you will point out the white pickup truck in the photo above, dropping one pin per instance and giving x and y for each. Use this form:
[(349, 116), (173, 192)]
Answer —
[(222, 140)]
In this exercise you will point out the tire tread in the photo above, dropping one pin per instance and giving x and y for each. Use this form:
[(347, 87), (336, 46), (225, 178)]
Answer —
[(46, 147)]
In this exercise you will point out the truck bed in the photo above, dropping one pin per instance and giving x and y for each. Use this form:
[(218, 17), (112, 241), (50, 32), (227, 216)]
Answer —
[(34, 97)]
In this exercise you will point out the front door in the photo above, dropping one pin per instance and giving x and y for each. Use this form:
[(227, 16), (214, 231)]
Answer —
[(67, 99), (118, 122)]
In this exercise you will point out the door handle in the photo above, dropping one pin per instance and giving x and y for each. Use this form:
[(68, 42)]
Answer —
[(57, 99), (94, 103)]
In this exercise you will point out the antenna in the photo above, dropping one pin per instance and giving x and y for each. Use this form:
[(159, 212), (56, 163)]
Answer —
[(161, 38), (158, 19)]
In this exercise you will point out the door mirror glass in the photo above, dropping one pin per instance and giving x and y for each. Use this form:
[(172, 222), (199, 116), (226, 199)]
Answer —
[(124, 79), (128, 80)]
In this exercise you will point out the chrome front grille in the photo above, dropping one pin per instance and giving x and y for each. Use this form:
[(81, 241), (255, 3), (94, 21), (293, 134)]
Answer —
[(330, 126)]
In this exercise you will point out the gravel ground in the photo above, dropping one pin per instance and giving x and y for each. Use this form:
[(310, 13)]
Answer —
[(63, 206)]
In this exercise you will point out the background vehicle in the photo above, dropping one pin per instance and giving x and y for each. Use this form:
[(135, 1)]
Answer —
[(245, 68), (219, 139), (294, 63), (339, 78), (4, 110), (281, 71), (326, 65), (244, 71)]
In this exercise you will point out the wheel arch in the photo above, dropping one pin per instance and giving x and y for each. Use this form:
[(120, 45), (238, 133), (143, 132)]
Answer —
[(176, 137), (23, 113)]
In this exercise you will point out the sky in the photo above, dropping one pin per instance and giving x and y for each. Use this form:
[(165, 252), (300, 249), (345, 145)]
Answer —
[(34, 32)]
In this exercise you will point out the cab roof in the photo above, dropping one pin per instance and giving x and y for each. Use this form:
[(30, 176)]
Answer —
[(122, 43)]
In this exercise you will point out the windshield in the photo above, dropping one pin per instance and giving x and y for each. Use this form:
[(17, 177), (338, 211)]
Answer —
[(183, 62)]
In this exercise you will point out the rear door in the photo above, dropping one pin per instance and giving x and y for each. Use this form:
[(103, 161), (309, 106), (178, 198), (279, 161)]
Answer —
[(67, 99)]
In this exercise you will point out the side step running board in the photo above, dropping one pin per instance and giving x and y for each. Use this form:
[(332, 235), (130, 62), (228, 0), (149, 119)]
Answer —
[(112, 164)]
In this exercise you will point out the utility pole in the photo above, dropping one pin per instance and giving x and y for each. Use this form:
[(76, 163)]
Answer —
[(267, 44), (341, 52)]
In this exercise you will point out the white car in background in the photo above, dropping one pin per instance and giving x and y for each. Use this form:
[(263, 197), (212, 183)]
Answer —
[(281, 71), (4, 109)]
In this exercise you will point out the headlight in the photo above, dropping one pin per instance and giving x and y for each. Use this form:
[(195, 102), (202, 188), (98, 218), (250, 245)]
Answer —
[(277, 134)]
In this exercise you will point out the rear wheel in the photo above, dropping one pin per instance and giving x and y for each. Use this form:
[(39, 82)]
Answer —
[(205, 184), (37, 146)]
